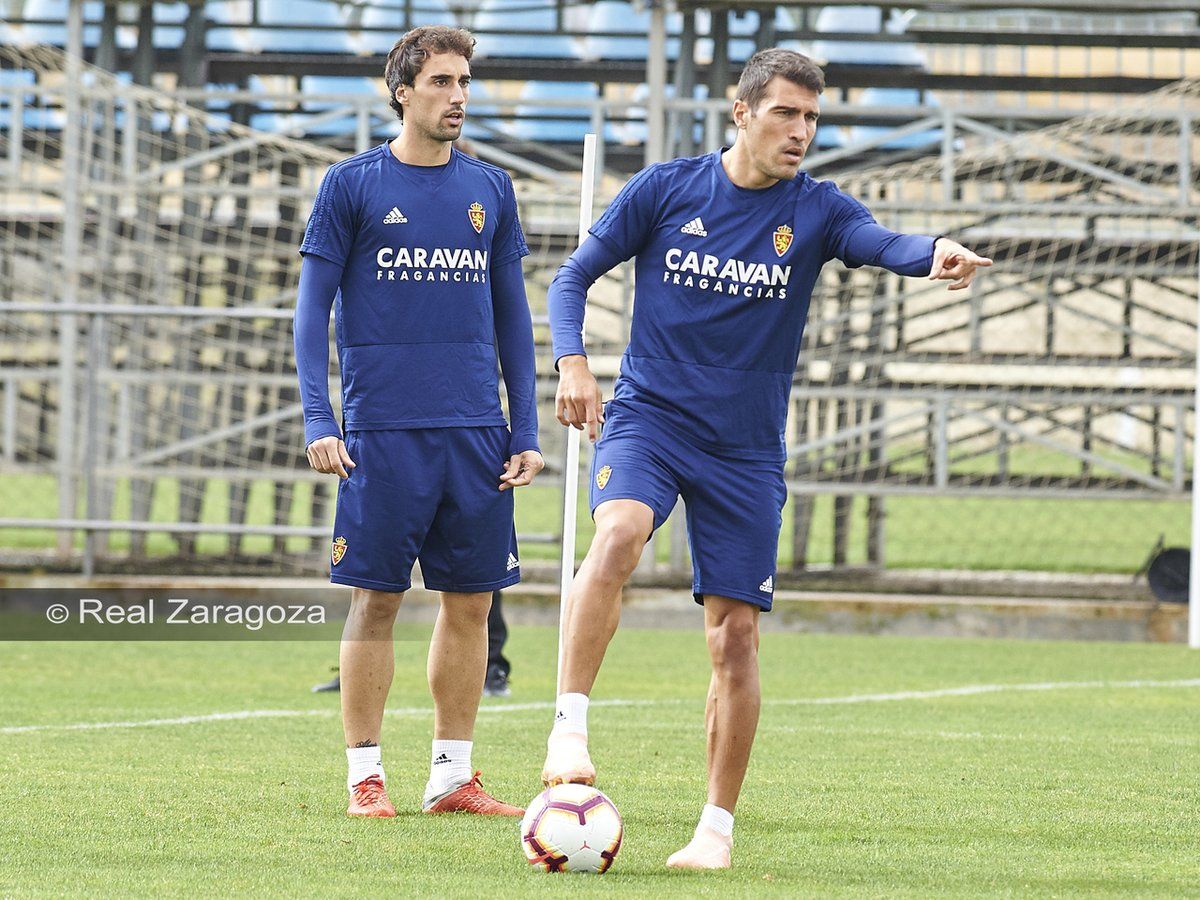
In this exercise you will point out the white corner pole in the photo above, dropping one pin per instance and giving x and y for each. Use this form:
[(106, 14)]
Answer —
[(587, 188), (1194, 576)]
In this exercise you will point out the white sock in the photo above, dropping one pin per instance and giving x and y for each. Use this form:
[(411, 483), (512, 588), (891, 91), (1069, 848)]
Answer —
[(719, 820), (449, 768), (364, 762), (570, 715)]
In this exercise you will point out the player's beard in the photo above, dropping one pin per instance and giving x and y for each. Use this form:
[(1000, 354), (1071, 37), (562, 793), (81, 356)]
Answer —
[(446, 133), (786, 168), (441, 131), (779, 169)]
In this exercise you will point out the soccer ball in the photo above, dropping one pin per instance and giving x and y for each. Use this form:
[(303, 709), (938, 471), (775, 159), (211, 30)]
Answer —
[(571, 828)]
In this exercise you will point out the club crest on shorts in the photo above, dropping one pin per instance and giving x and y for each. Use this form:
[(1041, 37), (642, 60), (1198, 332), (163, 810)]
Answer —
[(783, 239), (477, 214), (339, 549), (602, 476)]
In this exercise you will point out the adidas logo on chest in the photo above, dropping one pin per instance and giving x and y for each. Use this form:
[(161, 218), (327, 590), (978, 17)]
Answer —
[(395, 217)]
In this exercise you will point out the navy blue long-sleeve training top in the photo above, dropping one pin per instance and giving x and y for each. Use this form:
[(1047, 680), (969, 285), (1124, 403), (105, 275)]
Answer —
[(724, 276), (421, 266)]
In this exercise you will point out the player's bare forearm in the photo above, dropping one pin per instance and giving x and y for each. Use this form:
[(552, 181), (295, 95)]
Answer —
[(578, 401), (955, 263)]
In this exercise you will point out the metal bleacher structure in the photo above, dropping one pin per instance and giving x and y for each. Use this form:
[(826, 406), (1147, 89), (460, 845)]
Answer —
[(152, 195)]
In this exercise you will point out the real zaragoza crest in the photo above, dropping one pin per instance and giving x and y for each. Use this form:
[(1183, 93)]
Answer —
[(783, 239), (339, 549), (476, 213), (602, 476)]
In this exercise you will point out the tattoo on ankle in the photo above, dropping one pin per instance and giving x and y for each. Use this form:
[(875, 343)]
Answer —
[(362, 744)]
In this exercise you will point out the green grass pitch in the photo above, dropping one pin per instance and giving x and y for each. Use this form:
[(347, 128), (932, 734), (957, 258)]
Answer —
[(1084, 788)]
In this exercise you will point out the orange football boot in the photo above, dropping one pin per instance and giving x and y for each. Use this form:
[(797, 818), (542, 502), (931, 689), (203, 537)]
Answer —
[(370, 800), (472, 798)]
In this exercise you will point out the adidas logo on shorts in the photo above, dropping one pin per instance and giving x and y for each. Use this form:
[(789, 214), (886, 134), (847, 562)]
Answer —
[(695, 228), (395, 217), (768, 586), (512, 562)]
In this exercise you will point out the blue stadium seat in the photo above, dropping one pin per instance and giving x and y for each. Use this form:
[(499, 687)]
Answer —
[(54, 11), (743, 33), (227, 29), (330, 37), (507, 15), (34, 118), (168, 18), (168, 27), (895, 97), (865, 20), (167, 15), (620, 16), (331, 84), (283, 118), (551, 129), (634, 132), (391, 18), (829, 137)]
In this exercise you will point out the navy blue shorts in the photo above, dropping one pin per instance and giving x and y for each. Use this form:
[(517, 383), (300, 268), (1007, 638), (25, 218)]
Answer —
[(734, 506), (430, 494)]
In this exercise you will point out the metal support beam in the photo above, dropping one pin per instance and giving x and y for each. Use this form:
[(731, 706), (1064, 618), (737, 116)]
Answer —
[(72, 242), (656, 81)]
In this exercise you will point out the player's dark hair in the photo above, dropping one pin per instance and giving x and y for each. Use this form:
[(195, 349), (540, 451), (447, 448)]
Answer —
[(777, 62), (408, 55)]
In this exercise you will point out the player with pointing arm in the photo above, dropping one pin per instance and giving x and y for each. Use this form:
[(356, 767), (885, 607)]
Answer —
[(728, 247)]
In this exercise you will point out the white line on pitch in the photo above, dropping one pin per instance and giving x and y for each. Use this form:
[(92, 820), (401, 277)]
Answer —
[(296, 713), (965, 691), (181, 720), (974, 689)]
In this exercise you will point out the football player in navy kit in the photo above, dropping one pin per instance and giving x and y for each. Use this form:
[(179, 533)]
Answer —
[(728, 248), (417, 249)]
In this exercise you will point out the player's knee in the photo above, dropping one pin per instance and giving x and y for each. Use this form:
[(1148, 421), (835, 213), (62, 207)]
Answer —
[(374, 606), (619, 543), (466, 610), (733, 643)]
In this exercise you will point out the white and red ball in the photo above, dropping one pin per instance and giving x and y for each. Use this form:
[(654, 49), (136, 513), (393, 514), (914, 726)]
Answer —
[(571, 828)]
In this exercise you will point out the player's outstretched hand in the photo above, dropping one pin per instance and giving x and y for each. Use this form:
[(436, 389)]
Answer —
[(520, 469), (954, 262), (328, 455), (578, 402)]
